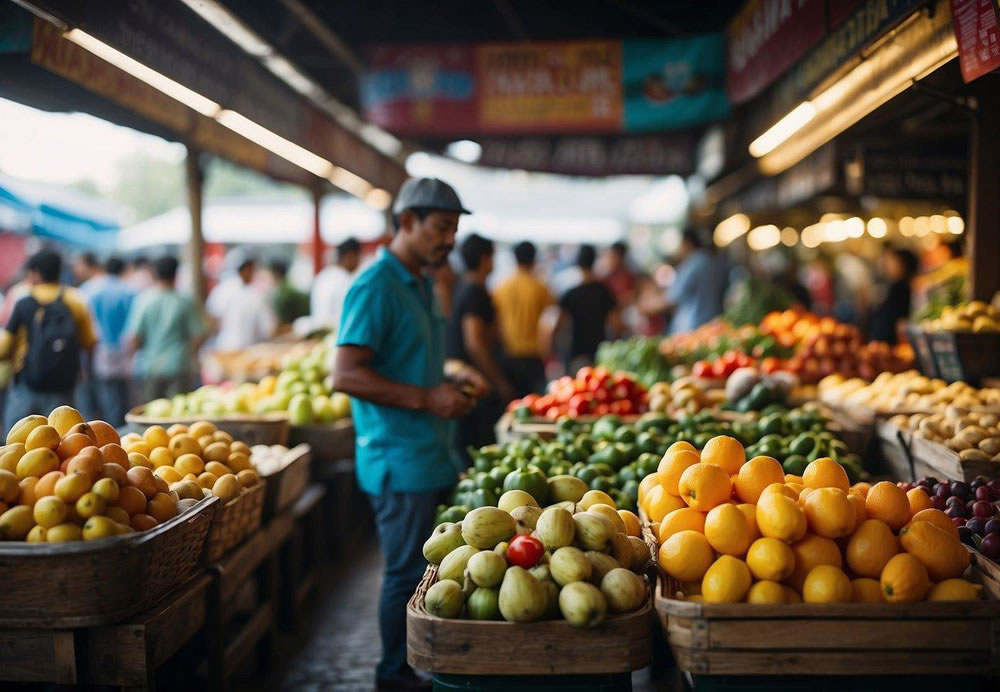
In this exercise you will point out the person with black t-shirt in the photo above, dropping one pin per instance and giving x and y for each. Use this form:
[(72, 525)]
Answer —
[(590, 308), (899, 266), (472, 337)]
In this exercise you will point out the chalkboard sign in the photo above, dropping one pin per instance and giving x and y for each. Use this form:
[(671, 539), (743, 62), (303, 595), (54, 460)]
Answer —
[(966, 356), (922, 350)]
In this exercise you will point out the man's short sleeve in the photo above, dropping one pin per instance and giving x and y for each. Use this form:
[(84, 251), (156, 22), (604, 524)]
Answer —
[(481, 305), (364, 317)]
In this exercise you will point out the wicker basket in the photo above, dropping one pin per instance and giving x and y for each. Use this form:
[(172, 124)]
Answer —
[(286, 485), (86, 584), (234, 521), (268, 429), (620, 644)]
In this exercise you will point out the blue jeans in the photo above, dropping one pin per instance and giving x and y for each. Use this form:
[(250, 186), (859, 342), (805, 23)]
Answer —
[(112, 399), (23, 401), (403, 521)]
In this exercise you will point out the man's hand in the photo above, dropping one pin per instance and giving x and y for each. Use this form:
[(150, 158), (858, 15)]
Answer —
[(447, 401)]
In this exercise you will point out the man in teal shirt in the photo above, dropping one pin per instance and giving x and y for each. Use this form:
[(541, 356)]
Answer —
[(390, 360)]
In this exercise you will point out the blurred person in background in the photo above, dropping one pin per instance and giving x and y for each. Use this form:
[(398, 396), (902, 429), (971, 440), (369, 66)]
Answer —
[(168, 327), (139, 274), (617, 275), (472, 338), (87, 272), (520, 302), (898, 267), (110, 303), (330, 285), (49, 330), (591, 310), (242, 312), (288, 302), (445, 280), (699, 284)]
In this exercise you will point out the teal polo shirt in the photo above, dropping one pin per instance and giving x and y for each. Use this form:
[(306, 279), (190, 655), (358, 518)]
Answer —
[(393, 313)]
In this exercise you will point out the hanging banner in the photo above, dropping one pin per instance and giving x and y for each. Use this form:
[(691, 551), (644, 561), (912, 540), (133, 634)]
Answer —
[(593, 156), (976, 30), (766, 38), (586, 87)]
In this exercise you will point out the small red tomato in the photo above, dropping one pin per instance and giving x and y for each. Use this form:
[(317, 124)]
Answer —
[(601, 410), (720, 369), (553, 413), (580, 404), (702, 369), (601, 395), (620, 392), (525, 551), (585, 373), (627, 407)]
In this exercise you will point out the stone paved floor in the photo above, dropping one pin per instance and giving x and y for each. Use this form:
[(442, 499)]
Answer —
[(337, 645)]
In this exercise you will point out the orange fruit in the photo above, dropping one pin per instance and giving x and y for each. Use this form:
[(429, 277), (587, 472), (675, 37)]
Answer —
[(727, 530), (812, 551), (919, 500), (887, 501), (750, 512), (781, 489), (648, 482), (861, 488), (767, 593), (143, 522), (142, 478), (771, 559), (779, 516), (796, 488), (161, 506), (104, 433), (132, 500), (942, 554), (826, 584), (755, 475), (683, 519), (672, 466), (829, 512), (803, 494), (114, 454), (865, 590), (792, 478), (686, 556), (703, 486), (904, 579), (631, 521), (825, 473), (659, 503), (870, 548), (46, 485), (682, 444), (858, 503), (726, 581), (938, 518), (727, 452)]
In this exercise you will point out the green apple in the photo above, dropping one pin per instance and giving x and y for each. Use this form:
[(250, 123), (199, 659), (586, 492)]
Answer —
[(159, 408), (300, 410), (341, 405)]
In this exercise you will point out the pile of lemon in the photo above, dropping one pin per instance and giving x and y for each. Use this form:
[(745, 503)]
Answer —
[(733, 531)]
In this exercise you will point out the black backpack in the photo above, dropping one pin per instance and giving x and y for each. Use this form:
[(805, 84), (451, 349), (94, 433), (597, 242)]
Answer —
[(52, 362)]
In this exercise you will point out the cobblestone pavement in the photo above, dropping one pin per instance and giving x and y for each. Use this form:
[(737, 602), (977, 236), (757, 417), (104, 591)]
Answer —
[(337, 645)]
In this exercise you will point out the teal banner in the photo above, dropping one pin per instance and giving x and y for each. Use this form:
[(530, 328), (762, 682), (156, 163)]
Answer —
[(675, 83)]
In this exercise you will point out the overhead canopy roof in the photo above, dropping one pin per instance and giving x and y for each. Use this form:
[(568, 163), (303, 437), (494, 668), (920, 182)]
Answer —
[(57, 212)]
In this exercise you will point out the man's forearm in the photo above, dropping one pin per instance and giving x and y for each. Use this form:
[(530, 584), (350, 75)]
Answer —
[(364, 382)]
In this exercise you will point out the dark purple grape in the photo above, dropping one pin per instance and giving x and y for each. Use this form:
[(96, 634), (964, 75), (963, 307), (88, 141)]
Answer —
[(942, 490), (992, 526), (932, 480), (965, 535), (983, 510), (991, 546), (994, 485), (976, 525), (955, 511), (978, 483), (961, 489), (983, 492), (954, 500)]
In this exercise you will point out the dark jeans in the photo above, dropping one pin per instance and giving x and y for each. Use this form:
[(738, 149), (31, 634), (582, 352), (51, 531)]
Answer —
[(23, 401), (166, 386), (403, 521), (111, 395), (526, 374)]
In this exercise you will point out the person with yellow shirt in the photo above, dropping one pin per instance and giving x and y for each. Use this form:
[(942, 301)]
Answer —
[(46, 335), (520, 302)]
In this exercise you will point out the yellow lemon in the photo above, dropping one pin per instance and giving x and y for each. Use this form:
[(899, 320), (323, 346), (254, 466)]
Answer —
[(827, 584), (770, 559), (726, 581), (767, 593)]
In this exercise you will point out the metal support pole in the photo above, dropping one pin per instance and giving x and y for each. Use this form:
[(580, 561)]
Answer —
[(983, 227), (317, 239), (196, 243)]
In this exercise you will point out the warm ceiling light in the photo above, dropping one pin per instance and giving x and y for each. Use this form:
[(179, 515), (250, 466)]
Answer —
[(854, 227), (345, 180), (730, 229), (938, 223), (956, 225), (160, 82), (764, 237), (378, 198), (811, 235), (783, 129), (789, 236), (906, 226), (465, 150), (877, 228), (921, 226), (290, 151)]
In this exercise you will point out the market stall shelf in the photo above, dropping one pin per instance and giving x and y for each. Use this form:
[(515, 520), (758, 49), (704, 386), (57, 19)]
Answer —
[(286, 485), (330, 442), (620, 644), (236, 520), (965, 356), (93, 583), (833, 639), (265, 429), (947, 462)]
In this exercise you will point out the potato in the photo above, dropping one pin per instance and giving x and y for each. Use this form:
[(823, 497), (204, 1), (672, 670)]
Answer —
[(991, 445), (973, 455)]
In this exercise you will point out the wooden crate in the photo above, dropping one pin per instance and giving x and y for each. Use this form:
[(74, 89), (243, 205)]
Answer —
[(965, 356), (235, 521), (38, 655), (267, 429), (893, 445), (286, 485), (330, 442), (833, 639), (89, 583), (620, 644), (945, 462)]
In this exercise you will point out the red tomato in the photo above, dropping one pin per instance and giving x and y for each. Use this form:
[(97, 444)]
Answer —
[(601, 410), (579, 405), (770, 365), (580, 386), (702, 369), (543, 404), (525, 551), (626, 408), (620, 392), (720, 369), (616, 407), (601, 395), (585, 373), (553, 413)]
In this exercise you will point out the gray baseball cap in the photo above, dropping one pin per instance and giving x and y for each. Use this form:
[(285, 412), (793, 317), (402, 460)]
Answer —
[(429, 193)]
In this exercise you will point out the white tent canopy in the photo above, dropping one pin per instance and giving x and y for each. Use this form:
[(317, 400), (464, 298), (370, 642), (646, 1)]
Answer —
[(254, 221)]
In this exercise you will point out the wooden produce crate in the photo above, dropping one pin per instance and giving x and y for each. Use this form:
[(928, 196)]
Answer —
[(894, 446), (91, 583), (286, 485), (330, 442), (235, 521), (268, 429), (965, 356), (835, 638), (922, 350), (943, 461), (620, 644)]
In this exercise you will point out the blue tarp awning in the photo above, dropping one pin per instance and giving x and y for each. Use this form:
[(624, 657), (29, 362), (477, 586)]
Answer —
[(57, 212)]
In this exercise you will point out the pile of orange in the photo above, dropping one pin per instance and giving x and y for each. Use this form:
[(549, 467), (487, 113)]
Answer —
[(732, 530)]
